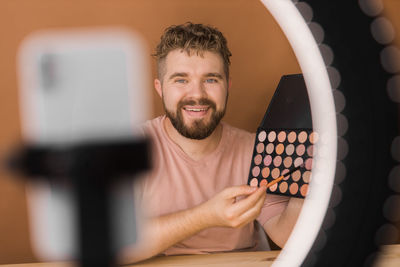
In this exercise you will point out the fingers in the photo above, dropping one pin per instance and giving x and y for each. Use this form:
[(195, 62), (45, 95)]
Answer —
[(237, 213), (240, 190), (243, 211), (248, 215), (253, 212), (245, 204)]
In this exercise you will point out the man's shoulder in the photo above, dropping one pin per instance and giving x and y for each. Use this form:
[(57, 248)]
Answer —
[(238, 142), (237, 133), (152, 125)]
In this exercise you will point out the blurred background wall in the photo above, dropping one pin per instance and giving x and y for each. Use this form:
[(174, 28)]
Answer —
[(261, 55)]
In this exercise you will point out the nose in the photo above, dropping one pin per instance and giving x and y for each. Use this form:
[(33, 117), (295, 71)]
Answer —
[(197, 90)]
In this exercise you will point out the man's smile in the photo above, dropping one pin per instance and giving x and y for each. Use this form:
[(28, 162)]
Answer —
[(196, 111)]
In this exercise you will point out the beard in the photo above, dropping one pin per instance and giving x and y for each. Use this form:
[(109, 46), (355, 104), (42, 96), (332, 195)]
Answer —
[(199, 129)]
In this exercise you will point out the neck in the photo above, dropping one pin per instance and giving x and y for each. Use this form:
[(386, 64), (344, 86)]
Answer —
[(195, 149)]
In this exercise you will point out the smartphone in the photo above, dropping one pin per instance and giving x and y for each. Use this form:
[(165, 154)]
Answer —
[(78, 86)]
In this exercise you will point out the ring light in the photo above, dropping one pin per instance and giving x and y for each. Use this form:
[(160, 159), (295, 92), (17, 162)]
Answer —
[(345, 66)]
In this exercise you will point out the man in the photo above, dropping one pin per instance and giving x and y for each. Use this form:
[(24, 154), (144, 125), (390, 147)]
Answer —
[(196, 195)]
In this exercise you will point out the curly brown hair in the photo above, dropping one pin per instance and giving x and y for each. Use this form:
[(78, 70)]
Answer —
[(192, 37)]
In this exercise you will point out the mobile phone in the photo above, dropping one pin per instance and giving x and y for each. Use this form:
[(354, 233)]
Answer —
[(78, 86)]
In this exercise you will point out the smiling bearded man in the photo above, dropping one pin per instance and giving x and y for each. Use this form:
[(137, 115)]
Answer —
[(196, 197)]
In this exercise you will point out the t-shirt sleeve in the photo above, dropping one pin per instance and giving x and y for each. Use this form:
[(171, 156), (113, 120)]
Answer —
[(273, 205)]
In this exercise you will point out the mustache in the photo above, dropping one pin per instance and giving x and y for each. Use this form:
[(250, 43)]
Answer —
[(201, 101)]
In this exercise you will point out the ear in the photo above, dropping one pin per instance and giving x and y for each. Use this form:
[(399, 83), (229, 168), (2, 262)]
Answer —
[(157, 86), (229, 83)]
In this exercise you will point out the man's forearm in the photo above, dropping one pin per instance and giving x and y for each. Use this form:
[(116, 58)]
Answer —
[(222, 210), (280, 227)]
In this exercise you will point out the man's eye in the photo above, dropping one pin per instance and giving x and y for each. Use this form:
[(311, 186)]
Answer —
[(180, 81), (211, 80)]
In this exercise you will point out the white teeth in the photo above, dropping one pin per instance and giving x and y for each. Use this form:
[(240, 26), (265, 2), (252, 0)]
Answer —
[(196, 109)]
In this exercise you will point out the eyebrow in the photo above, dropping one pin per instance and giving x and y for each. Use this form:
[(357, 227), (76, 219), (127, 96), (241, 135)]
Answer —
[(184, 74), (178, 74), (214, 74)]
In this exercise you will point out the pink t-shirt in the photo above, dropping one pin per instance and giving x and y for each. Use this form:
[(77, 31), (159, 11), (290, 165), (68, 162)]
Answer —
[(177, 182)]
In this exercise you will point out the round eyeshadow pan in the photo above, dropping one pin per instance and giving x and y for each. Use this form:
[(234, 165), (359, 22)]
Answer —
[(279, 149), (304, 190), (263, 182), (273, 188), (306, 176), (292, 137), (293, 188), (308, 164), (272, 136), (296, 175), (256, 171), (300, 149), (281, 136), (289, 149), (258, 159), (267, 160), (265, 172), (277, 161), (298, 162), (302, 137), (269, 148), (283, 187), (254, 182), (313, 137), (275, 173), (262, 136), (260, 148), (287, 162)]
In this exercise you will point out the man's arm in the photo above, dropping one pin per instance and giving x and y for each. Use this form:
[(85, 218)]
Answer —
[(280, 226), (222, 210)]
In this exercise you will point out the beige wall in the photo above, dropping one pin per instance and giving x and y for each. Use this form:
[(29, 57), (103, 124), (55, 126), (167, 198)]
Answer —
[(261, 54)]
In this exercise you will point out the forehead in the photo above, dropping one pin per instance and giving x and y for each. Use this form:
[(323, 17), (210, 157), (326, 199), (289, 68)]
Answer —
[(193, 63)]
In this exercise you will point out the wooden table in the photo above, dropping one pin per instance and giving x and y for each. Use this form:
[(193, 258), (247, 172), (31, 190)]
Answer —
[(388, 257), (239, 259)]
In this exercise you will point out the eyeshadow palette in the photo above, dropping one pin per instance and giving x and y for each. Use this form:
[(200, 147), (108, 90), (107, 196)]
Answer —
[(285, 140), (276, 153)]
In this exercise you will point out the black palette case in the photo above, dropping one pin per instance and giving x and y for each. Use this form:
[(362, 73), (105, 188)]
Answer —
[(285, 140)]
